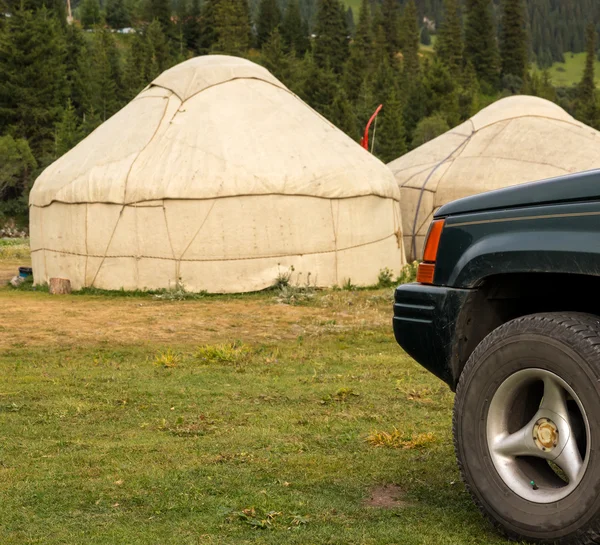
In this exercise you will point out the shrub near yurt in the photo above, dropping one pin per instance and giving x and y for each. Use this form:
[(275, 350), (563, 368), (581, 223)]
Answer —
[(218, 177), (515, 140)]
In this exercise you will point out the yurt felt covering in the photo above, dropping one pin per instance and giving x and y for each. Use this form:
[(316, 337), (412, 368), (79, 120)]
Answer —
[(515, 140), (217, 177)]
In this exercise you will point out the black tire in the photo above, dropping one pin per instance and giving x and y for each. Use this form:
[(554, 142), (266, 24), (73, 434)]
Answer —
[(567, 345)]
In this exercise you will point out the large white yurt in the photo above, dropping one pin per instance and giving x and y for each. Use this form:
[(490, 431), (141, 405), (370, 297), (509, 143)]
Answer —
[(515, 140), (216, 176)]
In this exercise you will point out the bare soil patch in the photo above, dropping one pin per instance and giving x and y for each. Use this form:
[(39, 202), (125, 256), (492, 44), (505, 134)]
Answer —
[(387, 496), (43, 319)]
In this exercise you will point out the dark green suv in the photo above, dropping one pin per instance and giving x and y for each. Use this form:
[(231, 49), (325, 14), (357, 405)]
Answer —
[(507, 313)]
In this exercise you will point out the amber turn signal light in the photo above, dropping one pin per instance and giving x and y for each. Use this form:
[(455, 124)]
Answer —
[(426, 270), (425, 273)]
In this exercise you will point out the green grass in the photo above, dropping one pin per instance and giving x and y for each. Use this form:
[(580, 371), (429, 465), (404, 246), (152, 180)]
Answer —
[(227, 444), (571, 71), (355, 5)]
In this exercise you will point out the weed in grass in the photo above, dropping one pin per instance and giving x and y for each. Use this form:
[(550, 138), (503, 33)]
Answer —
[(385, 278), (282, 280), (348, 285), (235, 352), (178, 293), (168, 358), (298, 293), (400, 439), (408, 273)]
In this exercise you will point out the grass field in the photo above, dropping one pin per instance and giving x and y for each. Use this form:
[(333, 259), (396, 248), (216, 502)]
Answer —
[(571, 71), (224, 420)]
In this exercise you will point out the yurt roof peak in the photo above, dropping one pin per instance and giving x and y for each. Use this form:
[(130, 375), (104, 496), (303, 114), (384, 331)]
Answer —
[(200, 73)]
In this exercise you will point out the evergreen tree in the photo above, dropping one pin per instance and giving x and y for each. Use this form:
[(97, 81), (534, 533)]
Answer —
[(135, 77), (481, 48), (117, 15), (156, 49), (361, 53), (90, 13), (269, 18), (32, 86), (441, 93), (67, 131), (101, 77), (17, 165), (410, 39), (587, 100), (232, 27), (191, 26), (429, 128), (207, 27), (350, 25), (294, 29), (468, 97), (274, 57), (331, 42), (160, 10), (513, 39), (341, 114), (390, 139), (320, 87), (449, 45), (75, 45), (390, 20)]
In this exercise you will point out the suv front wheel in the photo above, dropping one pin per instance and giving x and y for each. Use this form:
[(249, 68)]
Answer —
[(526, 428)]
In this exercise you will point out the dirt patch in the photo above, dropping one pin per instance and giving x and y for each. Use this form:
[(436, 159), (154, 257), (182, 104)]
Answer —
[(388, 496), (42, 319)]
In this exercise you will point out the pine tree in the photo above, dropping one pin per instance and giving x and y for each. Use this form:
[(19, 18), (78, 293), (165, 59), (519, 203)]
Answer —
[(208, 32), (232, 27), (587, 101), (320, 87), (32, 86), (275, 58), (17, 164), (117, 14), (449, 45), (361, 53), (68, 133), (390, 139), (191, 26), (331, 42), (160, 10), (350, 24), (341, 114), (101, 77), (269, 18), (294, 29), (410, 39), (390, 11), (135, 77), (156, 50), (513, 39), (429, 128), (481, 48), (90, 13)]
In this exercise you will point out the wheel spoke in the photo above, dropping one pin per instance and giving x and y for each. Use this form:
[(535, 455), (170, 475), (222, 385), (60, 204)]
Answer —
[(519, 443), (569, 460), (554, 398)]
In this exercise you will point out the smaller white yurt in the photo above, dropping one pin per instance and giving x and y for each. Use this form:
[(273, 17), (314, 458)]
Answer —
[(218, 177), (515, 140)]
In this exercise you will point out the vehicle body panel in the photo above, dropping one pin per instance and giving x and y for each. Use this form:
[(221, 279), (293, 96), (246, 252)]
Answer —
[(545, 227)]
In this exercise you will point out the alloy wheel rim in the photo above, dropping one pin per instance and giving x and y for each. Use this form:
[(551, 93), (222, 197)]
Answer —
[(538, 435)]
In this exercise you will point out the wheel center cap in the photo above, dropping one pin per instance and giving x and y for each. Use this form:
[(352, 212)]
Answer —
[(545, 434)]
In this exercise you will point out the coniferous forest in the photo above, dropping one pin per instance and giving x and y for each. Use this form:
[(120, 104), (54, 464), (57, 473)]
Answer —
[(431, 63)]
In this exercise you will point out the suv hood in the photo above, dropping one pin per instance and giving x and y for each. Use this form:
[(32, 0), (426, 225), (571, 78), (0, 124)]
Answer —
[(584, 186)]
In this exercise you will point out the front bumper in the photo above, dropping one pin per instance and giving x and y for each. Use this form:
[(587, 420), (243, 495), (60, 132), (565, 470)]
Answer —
[(425, 326)]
